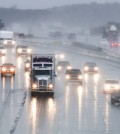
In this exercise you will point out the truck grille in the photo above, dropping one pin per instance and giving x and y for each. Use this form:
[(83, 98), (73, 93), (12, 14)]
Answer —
[(43, 82)]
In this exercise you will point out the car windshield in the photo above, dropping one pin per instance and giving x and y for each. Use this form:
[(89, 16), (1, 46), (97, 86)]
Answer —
[(91, 64), (73, 71), (111, 82), (42, 72), (7, 64), (22, 47)]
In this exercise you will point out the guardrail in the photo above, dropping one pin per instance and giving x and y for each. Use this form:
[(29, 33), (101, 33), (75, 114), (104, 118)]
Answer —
[(78, 47)]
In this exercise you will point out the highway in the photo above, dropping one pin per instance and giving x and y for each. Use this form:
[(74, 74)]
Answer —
[(73, 109)]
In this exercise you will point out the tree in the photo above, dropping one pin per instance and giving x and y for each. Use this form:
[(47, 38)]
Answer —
[(2, 25)]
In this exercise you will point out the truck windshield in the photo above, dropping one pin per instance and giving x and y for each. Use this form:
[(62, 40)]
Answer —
[(42, 72)]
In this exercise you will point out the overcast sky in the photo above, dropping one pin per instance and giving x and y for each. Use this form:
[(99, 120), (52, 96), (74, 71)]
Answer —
[(41, 4)]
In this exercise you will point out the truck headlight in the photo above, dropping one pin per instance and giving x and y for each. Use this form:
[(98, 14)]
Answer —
[(67, 77), (12, 69), (80, 77), (3, 69), (13, 42), (106, 86), (95, 68), (19, 50), (27, 65), (59, 67), (117, 87), (86, 68), (29, 50), (50, 86), (34, 85)]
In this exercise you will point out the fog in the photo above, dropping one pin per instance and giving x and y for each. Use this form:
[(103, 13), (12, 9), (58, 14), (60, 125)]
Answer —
[(42, 4)]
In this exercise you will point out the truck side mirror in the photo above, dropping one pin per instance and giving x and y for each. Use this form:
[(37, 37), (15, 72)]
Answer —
[(55, 74)]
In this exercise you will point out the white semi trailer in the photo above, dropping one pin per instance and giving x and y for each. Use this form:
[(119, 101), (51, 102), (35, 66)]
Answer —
[(7, 37)]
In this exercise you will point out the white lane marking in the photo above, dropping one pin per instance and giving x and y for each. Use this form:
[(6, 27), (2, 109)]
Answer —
[(14, 125)]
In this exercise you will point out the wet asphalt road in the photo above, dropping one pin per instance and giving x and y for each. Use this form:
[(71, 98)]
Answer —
[(73, 109)]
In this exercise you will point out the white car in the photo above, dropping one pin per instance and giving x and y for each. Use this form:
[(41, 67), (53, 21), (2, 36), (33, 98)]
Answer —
[(59, 55), (111, 86), (23, 50), (63, 65)]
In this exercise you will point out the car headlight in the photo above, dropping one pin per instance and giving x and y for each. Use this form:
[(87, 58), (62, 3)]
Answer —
[(95, 68), (86, 68), (59, 67), (27, 65), (67, 77), (50, 86), (117, 86), (5, 42), (3, 69), (34, 85), (69, 67), (19, 50), (62, 56), (80, 77), (12, 69), (13, 42), (29, 50)]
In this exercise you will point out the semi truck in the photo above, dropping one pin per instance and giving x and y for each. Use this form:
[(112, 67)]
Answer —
[(43, 73), (7, 37)]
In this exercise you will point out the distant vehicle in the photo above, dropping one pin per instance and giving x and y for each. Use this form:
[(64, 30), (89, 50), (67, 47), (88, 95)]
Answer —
[(23, 50), (7, 68), (74, 75), (43, 73), (90, 67), (27, 65), (111, 86), (2, 51), (71, 36), (7, 37), (115, 98), (59, 55), (63, 65)]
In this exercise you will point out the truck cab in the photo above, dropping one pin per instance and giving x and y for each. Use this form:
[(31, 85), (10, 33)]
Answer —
[(43, 73)]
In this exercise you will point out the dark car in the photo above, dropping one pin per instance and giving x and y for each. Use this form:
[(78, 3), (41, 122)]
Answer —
[(23, 50), (63, 65), (74, 75), (90, 67), (115, 98)]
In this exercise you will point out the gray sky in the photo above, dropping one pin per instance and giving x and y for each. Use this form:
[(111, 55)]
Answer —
[(41, 4)]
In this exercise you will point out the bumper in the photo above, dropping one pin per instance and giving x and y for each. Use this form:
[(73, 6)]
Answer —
[(41, 90), (4, 73)]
